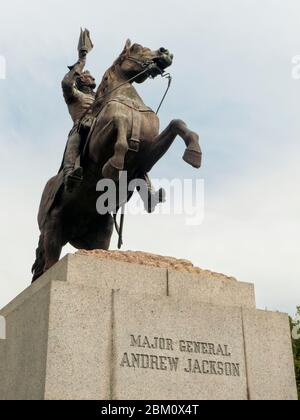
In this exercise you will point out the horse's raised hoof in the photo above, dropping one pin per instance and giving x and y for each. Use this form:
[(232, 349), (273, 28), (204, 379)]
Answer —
[(110, 172), (193, 158)]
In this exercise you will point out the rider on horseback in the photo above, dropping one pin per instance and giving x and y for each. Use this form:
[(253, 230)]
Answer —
[(78, 89)]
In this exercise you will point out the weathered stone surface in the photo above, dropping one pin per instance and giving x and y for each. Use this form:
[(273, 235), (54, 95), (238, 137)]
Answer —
[(138, 279), (79, 343), (23, 354), (107, 275), (68, 333), (175, 321), (270, 365), (152, 260), (218, 291)]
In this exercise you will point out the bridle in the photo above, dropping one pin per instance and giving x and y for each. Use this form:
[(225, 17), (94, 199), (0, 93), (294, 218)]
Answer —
[(147, 66), (144, 64)]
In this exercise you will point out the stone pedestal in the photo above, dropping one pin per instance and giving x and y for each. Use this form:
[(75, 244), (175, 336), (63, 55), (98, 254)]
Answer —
[(94, 328)]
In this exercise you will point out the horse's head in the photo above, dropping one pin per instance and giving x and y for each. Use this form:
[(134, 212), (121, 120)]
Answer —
[(136, 58)]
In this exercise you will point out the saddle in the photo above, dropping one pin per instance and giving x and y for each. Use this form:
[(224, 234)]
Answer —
[(85, 128), (136, 110)]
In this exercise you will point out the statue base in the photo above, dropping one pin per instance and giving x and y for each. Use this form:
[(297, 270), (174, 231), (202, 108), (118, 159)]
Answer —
[(99, 328)]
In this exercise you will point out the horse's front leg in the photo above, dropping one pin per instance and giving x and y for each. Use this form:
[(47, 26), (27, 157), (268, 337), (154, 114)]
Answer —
[(115, 164), (162, 143)]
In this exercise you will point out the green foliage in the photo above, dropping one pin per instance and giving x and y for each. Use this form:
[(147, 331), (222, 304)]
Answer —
[(295, 325)]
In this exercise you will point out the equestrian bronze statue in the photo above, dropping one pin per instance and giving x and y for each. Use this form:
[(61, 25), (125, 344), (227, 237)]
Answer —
[(113, 131)]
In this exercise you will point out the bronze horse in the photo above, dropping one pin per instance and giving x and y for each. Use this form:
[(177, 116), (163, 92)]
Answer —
[(125, 137)]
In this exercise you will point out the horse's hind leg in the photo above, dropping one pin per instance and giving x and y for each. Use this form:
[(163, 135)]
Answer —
[(164, 141), (49, 248), (39, 264), (99, 235), (53, 242)]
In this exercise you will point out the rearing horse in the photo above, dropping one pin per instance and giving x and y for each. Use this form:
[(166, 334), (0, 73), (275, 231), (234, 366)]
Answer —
[(125, 136)]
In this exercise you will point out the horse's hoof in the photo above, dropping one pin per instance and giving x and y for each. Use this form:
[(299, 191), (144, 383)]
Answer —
[(110, 172), (193, 158)]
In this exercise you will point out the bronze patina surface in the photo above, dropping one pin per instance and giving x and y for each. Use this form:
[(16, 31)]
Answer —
[(122, 134)]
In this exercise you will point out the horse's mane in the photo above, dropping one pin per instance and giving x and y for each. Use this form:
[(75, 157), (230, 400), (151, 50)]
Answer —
[(106, 80), (108, 77)]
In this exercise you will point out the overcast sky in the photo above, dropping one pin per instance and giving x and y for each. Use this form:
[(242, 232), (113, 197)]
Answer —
[(232, 84)]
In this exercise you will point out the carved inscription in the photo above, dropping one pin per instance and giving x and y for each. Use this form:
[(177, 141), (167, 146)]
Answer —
[(193, 357)]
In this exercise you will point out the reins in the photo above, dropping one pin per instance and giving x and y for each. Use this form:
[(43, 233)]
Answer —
[(146, 70), (120, 228), (147, 67), (169, 77)]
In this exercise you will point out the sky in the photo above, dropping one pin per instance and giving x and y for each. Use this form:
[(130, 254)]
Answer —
[(232, 84)]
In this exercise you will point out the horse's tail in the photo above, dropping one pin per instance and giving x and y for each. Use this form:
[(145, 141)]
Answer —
[(38, 266)]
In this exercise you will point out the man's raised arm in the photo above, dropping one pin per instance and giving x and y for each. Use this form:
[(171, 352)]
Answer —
[(69, 80), (84, 47)]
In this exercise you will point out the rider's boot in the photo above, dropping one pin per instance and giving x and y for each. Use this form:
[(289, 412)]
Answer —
[(154, 197), (73, 174)]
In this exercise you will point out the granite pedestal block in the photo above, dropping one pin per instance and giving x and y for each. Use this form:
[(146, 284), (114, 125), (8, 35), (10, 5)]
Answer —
[(94, 328)]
